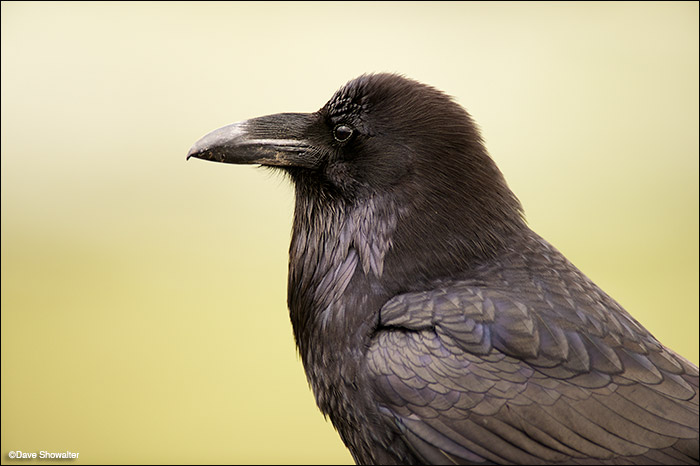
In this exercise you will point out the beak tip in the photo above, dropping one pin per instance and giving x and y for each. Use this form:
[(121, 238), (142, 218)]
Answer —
[(195, 151), (211, 144)]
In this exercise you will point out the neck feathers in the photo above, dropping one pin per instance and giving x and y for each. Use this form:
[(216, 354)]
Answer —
[(334, 244)]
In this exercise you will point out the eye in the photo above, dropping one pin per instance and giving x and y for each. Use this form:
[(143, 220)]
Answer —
[(342, 133)]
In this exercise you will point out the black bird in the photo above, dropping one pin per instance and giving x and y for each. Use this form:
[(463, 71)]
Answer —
[(434, 326)]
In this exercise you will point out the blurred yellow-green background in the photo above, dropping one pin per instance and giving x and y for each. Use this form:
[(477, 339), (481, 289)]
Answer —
[(144, 310)]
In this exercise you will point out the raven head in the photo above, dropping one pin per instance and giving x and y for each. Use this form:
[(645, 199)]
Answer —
[(377, 132), (383, 136)]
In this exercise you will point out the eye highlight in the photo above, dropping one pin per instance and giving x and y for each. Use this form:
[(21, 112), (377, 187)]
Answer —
[(342, 133)]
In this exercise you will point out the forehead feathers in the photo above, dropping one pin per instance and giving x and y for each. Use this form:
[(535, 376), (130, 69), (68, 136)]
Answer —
[(385, 93)]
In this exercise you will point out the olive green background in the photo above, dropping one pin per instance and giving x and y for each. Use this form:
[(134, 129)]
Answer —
[(144, 310)]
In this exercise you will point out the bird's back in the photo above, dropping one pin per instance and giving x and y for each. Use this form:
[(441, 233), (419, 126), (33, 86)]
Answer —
[(525, 360)]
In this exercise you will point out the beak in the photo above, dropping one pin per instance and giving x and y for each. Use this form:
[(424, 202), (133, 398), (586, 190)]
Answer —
[(275, 140)]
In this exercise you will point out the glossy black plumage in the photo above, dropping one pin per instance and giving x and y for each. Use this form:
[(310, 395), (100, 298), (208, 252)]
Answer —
[(433, 324)]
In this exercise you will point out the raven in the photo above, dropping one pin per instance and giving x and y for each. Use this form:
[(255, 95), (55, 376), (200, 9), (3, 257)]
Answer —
[(433, 324)]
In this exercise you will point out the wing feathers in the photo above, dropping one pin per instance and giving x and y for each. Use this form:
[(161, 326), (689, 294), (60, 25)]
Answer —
[(471, 375)]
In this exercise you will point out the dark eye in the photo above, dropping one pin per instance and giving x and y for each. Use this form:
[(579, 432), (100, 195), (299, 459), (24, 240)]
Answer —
[(342, 133)]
